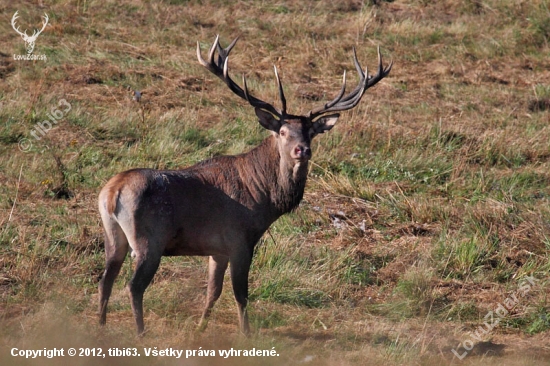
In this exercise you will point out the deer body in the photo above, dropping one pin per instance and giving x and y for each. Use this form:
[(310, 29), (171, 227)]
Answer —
[(219, 207), (224, 200), (225, 206)]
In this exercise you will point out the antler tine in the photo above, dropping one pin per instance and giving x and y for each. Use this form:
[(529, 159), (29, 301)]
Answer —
[(342, 103), (317, 111), (281, 92), (382, 72), (213, 50), (221, 70), (15, 27), (199, 57), (45, 22), (233, 86), (14, 18), (340, 94), (246, 89), (362, 76), (223, 53)]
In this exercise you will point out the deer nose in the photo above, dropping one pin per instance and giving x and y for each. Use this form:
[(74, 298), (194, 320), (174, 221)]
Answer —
[(302, 152)]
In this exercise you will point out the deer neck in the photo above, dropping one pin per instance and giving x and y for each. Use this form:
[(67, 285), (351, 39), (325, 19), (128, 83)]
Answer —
[(283, 181), (260, 180)]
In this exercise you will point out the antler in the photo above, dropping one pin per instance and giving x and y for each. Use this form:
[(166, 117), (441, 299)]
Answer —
[(35, 32), (341, 102), (221, 70), (13, 19), (44, 24)]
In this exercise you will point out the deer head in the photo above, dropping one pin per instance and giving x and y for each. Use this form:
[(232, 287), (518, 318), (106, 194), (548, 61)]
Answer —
[(293, 132), (29, 40)]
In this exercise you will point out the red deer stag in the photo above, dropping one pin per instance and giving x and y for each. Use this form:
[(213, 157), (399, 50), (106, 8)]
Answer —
[(219, 207)]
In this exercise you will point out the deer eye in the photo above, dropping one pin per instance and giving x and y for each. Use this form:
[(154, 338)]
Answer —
[(282, 133)]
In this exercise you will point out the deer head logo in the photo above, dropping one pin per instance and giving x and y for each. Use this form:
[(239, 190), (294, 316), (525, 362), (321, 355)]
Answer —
[(29, 40)]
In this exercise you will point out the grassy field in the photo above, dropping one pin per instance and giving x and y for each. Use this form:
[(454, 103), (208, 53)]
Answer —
[(427, 206)]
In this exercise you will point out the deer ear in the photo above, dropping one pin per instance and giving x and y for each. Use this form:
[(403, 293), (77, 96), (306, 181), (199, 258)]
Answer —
[(325, 123), (267, 120)]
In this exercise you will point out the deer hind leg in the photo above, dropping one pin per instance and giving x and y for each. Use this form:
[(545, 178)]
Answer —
[(147, 263), (240, 266), (116, 247), (217, 266)]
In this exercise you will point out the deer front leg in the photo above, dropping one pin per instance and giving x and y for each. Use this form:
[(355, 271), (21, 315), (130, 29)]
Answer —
[(216, 270), (240, 266)]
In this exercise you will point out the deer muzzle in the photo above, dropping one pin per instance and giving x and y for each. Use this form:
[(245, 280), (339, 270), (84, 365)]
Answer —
[(302, 153)]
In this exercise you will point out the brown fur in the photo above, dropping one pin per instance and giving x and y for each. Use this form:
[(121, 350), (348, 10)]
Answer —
[(219, 207), (114, 186), (254, 177)]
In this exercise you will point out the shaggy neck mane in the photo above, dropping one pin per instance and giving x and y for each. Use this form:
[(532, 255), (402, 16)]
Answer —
[(258, 177), (267, 174)]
